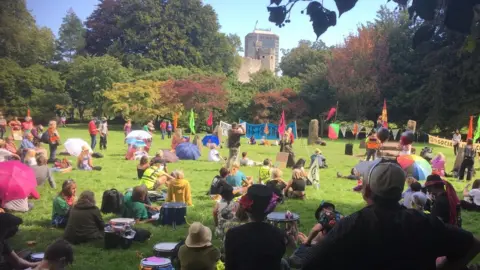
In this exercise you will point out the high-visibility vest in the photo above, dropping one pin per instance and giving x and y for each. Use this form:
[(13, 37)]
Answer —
[(372, 143)]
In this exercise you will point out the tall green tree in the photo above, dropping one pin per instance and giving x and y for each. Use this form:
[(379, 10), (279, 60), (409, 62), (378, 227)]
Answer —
[(71, 40), (297, 60), (21, 40), (88, 77)]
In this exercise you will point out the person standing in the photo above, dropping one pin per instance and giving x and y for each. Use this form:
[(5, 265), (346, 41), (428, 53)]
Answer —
[(286, 147), (53, 140), (103, 133), (163, 128), (292, 136), (372, 146), (127, 128), (456, 140), (93, 130), (469, 154), (169, 129), (3, 126), (233, 143)]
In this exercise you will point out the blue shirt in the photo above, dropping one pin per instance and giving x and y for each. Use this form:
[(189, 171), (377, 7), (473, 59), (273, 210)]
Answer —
[(26, 144), (236, 180)]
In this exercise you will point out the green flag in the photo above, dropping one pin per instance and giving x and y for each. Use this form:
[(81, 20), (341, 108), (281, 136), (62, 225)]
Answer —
[(477, 131), (192, 122)]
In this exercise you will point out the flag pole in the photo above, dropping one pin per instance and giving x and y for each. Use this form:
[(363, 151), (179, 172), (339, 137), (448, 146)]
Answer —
[(336, 111)]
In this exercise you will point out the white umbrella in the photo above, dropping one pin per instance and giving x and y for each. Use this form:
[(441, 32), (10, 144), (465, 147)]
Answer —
[(139, 134), (74, 146)]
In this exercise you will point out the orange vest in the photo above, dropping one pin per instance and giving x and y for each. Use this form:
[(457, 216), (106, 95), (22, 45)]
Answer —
[(372, 143)]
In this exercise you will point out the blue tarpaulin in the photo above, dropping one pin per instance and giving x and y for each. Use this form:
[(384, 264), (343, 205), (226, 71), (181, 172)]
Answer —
[(258, 130)]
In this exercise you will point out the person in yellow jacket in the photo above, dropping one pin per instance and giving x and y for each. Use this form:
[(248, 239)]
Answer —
[(155, 176), (179, 189)]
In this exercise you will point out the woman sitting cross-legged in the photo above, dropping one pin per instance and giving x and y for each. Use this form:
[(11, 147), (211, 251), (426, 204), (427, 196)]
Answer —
[(179, 189), (296, 187), (256, 245), (62, 204), (136, 206), (198, 251), (85, 221), (84, 161)]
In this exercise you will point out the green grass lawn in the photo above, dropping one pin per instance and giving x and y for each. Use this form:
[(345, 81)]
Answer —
[(121, 174)]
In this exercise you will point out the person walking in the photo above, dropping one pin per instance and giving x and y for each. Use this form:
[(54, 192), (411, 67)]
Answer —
[(469, 154), (456, 140), (53, 140), (93, 130), (103, 133), (163, 128), (233, 143), (169, 129), (3, 126)]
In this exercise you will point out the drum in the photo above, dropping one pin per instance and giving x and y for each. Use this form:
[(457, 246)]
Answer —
[(173, 214), (164, 250), (36, 257), (122, 221), (156, 263)]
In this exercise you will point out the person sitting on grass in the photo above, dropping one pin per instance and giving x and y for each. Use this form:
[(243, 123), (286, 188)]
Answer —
[(296, 187), (62, 204), (354, 175), (30, 158), (238, 180), (445, 204), (245, 161), (58, 255), (84, 160), (10, 145), (224, 210), (277, 184), (135, 206), (43, 172), (154, 176), (265, 171), (216, 185), (322, 161), (10, 259), (179, 189), (256, 244), (142, 166), (252, 141), (85, 221), (300, 165), (160, 156), (415, 188), (198, 251), (213, 154), (6, 155), (264, 141), (471, 198)]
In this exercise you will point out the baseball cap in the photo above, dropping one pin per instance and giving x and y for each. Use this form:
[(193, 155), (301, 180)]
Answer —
[(386, 179)]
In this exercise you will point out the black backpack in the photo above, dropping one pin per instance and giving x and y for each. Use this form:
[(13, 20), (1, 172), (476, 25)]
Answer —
[(45, 138), (112, 202)]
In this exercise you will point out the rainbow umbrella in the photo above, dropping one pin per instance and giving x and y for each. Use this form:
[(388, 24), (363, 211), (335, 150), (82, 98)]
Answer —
[(415, 166)]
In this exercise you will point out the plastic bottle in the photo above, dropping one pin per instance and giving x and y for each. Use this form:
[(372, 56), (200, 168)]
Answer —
[(317, 185)]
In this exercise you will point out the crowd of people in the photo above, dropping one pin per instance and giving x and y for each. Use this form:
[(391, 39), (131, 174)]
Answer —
[(379, 236)]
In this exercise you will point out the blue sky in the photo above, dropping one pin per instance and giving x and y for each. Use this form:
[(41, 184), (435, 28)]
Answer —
[(237, 17)]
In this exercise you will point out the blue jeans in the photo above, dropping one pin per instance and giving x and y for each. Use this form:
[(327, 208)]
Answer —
[(53, 152), (163, 134), (94, 141)]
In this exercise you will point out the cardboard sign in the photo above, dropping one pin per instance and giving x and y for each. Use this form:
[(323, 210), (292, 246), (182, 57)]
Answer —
[(458, 159), (281, 160), (411, 125), (448, 143)]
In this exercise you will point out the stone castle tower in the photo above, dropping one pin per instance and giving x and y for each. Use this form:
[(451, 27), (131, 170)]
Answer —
[(266, 56)]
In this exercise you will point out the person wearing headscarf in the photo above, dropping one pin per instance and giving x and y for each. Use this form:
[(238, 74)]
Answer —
[(198, 251), (85, 221), (8, 228), (256, 245), (445, 202)]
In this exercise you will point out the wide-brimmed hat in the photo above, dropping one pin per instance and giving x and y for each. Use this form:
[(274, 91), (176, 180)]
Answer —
[(259, 200), (198, 236)]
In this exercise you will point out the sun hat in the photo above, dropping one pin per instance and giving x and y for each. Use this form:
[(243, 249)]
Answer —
[(260, 200), (386, 179), (317, 150), (198, 236)]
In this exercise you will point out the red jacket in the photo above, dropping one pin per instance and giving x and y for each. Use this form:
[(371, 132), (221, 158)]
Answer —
[(92, 128)]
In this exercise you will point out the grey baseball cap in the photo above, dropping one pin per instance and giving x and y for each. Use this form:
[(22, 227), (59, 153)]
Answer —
[(386, 179)]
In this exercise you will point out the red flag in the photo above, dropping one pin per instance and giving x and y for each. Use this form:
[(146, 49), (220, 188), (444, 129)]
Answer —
[(210, 119), (28, 112), (281, 125), (470, 129), (384, 114), (331, 113)]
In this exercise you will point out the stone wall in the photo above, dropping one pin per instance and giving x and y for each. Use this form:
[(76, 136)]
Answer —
[(248, 66)]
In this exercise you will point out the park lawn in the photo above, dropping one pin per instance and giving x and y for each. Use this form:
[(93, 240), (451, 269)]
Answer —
[(121, 174)]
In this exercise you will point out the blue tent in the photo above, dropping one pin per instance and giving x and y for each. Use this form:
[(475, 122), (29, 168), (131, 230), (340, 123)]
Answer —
[(212, 138), (187, 151)]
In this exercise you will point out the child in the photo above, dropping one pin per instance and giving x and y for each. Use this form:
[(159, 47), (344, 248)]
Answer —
[(438, 165), (415, 189), (134, 204), (142, 166), (409, 181), (264, 173), (179, 189), (30, 159), (320, 159), (62, 204), (213, 154)]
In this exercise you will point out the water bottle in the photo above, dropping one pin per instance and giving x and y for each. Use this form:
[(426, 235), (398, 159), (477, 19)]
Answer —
[(317, 185)]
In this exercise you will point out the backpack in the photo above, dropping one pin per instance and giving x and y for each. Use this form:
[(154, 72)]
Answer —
[(97, 155), (45, 138), (112, 202), (174, 257), (215, 186)]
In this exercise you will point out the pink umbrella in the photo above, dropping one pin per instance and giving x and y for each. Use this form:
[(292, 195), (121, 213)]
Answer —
[(17, 181)]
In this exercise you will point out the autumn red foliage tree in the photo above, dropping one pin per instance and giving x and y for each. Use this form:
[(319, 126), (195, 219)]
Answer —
[(268, 106), (354, 70)]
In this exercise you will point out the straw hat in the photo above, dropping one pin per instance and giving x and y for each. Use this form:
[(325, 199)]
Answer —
[(198, 236)]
